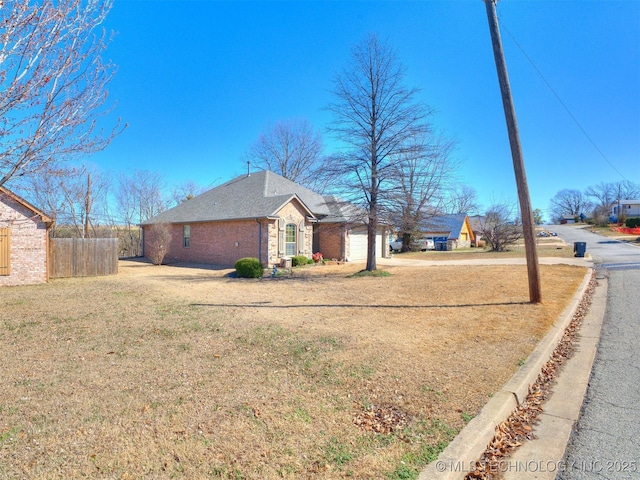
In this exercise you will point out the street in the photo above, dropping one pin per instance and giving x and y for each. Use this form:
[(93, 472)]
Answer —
[(605, 442)]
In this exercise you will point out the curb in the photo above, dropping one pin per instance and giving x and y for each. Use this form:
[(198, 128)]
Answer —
[(543, 456), (460, 456)]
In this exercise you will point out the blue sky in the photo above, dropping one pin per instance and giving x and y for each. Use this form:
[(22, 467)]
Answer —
[(198, 81)]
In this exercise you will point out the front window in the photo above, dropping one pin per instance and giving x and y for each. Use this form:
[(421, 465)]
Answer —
[(290, 239), (186, 236)]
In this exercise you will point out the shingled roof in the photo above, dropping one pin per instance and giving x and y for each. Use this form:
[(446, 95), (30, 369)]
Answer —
[(451, 224), (258, 195)]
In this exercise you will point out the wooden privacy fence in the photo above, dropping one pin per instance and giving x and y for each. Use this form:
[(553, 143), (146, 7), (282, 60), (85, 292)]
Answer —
[(83, 257)]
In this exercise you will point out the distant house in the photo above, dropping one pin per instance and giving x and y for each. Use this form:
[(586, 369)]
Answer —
[(449, 231), (628, 208), (24, 237), (266, 216), (477, 225)]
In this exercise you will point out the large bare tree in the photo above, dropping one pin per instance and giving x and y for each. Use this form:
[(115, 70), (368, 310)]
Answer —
[(603, 197), (421, 175), (140, 196), (52, 83), (569, 202), (291, 148), (374, 116), (462, 199)]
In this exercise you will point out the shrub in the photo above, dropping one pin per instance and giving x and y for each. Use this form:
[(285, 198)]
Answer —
[(249, 267), (372, 273), (298, 260), (633, 222), (158, 240)]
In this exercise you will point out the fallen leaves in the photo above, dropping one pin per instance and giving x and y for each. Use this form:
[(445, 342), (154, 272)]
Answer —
[(383, 420), (518, 427)]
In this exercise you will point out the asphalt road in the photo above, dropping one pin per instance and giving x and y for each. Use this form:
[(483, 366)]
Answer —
[(606, 441)]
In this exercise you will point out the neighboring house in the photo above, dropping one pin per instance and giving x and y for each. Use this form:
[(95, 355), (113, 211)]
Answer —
[(266, 216), (628, 208), (477, 225), (24, 237), (449, 231), (567, 219)]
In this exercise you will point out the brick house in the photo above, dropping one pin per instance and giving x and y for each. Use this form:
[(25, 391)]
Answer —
[(24, 241), (266, 216)]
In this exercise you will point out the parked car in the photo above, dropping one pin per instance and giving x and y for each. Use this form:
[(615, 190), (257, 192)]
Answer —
[(426, 244), (396, 245), (422, 244)]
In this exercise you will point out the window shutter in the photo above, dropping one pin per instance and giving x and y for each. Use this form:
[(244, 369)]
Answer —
[(301, 229), (5, 251), (281, 228)]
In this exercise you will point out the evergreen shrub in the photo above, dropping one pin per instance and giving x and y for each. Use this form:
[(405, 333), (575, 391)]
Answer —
[(249, 267)]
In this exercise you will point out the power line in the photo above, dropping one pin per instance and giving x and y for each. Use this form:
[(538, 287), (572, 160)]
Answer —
[(575, 120)]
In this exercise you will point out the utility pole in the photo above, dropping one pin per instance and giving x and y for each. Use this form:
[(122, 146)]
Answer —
[(535, 294)]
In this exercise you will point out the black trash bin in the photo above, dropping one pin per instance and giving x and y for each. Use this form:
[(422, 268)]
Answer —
[(579, 248)]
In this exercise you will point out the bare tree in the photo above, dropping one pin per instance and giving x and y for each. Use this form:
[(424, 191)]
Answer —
[(569, 202), (53, 83), (463, 199), (186, 191), (499, 228), (375, 116), (291, 148), (422, 174), (158, 237), (603, 197), (138, 197), (625, 190), (75, 198)]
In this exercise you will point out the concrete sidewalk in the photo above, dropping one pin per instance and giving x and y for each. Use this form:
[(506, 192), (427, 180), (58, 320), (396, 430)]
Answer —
[(542, 458), (586, 261), (560, 411)]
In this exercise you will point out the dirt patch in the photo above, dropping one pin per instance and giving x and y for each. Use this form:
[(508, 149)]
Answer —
[(164, 372)]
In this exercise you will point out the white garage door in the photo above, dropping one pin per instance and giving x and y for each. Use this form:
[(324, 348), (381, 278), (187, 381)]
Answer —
[(358, 245)]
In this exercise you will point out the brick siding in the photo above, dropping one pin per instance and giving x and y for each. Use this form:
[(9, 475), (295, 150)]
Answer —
[(331, 240), (223, 243), (28, 244)]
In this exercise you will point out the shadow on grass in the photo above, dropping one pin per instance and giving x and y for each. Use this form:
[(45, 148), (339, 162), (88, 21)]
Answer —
[(269, 304)]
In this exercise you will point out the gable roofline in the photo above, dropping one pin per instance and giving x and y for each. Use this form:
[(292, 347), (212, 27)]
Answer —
[(18, 199), (257, 195), (288, 200), (450, 223)]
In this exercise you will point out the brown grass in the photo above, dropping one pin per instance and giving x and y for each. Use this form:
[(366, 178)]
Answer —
[(165, 372)]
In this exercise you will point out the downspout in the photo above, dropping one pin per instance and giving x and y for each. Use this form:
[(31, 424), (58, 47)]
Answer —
[(259, 240), (142, 241)]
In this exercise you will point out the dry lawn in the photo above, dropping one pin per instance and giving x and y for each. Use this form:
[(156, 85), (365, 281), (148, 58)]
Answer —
[(169, 372)]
